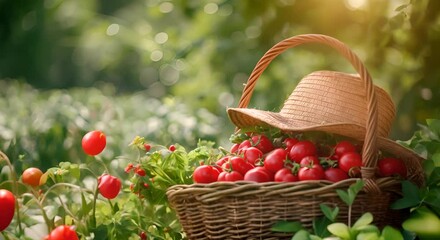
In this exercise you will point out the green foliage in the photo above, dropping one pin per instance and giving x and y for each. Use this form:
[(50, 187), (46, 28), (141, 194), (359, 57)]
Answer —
[(49, 130), (424, 201), (326, 227)]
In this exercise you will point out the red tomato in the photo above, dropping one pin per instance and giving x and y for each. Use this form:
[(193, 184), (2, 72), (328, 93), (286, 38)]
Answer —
[(109, 186), (253, 155), (31, 176), (285, 175), (143, 235), (391, 167), (289, 142), (7, 208), (231, 176), (351, 163), (258, 174), (94, 142), (335, 174), (343, 147), (309, 161), (234, 148), (237, 164), (222, 160), (263, 143), (205, 174), (62, 232), (302, 149), (314, 172), (243, 145), (274, 160)]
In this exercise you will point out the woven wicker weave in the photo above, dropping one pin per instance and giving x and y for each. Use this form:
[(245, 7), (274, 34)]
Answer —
[(334, 102)]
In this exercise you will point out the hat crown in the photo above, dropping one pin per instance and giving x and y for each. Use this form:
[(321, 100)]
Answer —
[(327, 97)]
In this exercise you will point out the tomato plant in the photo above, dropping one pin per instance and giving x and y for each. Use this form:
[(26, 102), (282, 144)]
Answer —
[(62, 232), (109, 186), (93, 143), (31, 176), (7, 208)]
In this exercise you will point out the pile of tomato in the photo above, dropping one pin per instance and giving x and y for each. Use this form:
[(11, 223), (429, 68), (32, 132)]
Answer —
[(262, 159)]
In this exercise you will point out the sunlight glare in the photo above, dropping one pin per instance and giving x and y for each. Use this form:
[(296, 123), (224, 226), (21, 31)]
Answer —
[(356, 4)]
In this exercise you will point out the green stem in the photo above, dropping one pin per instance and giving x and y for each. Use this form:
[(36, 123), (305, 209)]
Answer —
[(95, 197), (349, 216), (5, 236), (14, 190)]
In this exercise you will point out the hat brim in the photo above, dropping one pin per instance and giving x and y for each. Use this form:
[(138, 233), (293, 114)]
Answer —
[(245, 118)]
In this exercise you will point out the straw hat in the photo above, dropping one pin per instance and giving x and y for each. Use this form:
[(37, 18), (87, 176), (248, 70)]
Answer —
[(333, 102)]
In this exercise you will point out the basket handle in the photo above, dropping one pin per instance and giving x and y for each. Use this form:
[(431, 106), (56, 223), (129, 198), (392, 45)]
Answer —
[(369, 156)]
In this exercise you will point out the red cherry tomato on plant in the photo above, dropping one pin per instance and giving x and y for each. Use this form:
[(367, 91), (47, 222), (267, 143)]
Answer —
[(32, 176), (302, 149), (314, 172), (109, 186), (391, 167), (335, 174), (94, 142), (7, 208), (285, 175), (205, 174), (62, 232), (343, 147), (351, 163), (258, 174), (263, 143), (275, 160)]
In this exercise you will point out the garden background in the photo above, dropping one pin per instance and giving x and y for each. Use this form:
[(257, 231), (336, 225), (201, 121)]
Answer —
[(167, 70)]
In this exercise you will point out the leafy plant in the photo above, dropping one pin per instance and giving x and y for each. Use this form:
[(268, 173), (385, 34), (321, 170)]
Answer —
[(424, 201), (326, 227)]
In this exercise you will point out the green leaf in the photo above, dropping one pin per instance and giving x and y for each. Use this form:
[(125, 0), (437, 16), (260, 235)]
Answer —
[(301, 235), (350, 195), (434, 177), (434, 126), (368, 236), (320, 226), (364, 220), (340, 230), (287, 226), (329, 213), (344, 196), (391, 233), (410, 198)]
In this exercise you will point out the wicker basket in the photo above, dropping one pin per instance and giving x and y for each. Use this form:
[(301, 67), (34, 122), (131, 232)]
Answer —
[(333, 102)]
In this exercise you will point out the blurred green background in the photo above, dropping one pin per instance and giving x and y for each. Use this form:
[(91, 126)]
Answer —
[(167, 70)]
